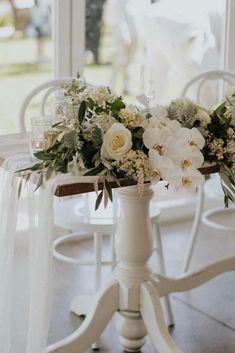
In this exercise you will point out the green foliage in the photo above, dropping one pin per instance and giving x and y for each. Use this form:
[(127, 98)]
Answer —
[(82, 112), (97, 135), (228, 184), (117, 105)]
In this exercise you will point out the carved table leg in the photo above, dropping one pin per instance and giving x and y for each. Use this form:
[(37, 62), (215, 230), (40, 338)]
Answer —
[(79, 341), (166, 285), (151, 311)]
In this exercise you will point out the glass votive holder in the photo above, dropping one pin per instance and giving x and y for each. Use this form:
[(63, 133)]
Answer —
[(40, 126), (71, 111), (59, 107)]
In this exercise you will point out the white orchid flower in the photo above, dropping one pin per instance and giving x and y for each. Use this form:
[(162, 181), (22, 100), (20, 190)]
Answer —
[(192, 179), (183, 154), (167, 169), (171, 172), (158, 130), (192, 136), (155, 138), (174, 125)]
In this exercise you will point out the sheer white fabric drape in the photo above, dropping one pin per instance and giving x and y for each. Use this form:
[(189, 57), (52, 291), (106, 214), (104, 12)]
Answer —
[(26, 259), (25, 265)]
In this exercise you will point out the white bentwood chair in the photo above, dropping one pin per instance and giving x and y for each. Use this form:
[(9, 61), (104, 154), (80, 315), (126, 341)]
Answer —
[(207, 85), (77, 213)]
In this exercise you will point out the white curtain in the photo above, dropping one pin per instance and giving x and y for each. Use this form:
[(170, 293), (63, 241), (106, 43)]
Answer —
[(26, 259)]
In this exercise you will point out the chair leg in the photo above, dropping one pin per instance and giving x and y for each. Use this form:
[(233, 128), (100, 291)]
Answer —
[(162, 270), (98, 259), (98, 268), (194, 230), (113, 253)]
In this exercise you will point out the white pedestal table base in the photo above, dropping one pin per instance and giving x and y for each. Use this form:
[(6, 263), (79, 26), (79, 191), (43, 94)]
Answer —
[(135, 291)]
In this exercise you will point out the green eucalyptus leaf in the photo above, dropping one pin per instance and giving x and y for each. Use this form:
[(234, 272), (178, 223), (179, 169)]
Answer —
[(44, 156), (39, 183), (98, 200), (81, 112), (96, 186), (95, 171), (20, 187), (109, 189), (106, 198), (49, 172)]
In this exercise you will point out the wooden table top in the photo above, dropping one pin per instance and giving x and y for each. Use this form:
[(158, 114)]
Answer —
[(13, 144)]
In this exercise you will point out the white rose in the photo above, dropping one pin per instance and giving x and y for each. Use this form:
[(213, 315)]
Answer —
[(116, 142)]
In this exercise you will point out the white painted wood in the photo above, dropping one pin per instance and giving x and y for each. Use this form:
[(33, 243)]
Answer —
[(225, 80), (97, 259), (68, 37), (195, 279), (134, 241), (53, 85), (78, 36), (151, 311), (132, 331), (100, 314), (135, 291), (229, 49), (161, 265), (61, 34), (194, 230)]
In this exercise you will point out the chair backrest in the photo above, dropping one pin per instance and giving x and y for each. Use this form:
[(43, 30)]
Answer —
[(47, 89), (209, 87), (221, 80)]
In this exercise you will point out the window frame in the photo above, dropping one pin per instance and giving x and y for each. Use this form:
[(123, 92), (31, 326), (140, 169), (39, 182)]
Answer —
[(68, 35)]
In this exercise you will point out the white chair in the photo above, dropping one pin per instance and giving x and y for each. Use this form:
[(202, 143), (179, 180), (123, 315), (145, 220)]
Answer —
[(47, 88), (77, 214), (201, 85)]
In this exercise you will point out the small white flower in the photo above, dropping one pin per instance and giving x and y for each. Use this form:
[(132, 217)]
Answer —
[(203, 117), (100, 95), (192, 136), (117, 142), (131, 118), (158, 112)]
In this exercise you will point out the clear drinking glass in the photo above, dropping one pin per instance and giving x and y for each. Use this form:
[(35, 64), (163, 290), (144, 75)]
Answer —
[(40, 128), (148, 83)]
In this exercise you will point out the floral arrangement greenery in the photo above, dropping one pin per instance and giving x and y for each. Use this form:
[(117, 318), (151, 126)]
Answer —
[(218, 129), (114, 141)]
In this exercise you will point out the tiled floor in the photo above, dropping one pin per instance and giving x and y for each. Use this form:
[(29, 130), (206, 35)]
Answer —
[(204, 317)]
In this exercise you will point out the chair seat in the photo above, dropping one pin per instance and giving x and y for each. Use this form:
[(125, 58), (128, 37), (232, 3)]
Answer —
[(79, 213), (213, 188)]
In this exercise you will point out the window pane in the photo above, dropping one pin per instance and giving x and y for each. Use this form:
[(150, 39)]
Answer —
[(175, 38), (25, 55)]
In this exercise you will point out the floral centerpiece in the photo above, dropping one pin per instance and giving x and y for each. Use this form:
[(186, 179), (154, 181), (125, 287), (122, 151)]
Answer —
[(114, 141), (218, 129)]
